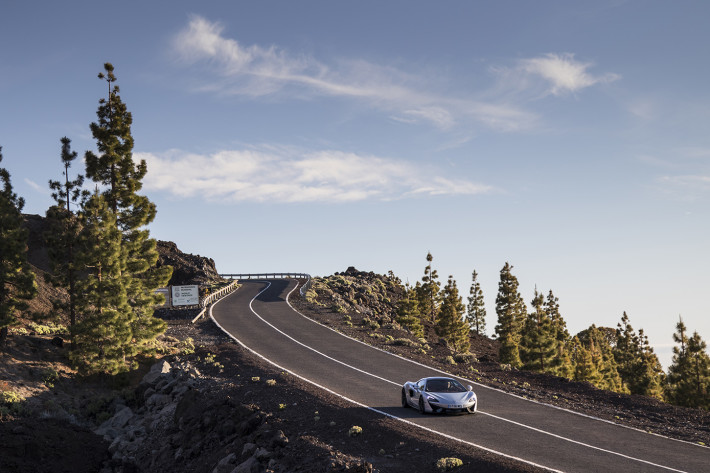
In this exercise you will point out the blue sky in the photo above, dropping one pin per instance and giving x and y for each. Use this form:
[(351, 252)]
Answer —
[(567, 138)]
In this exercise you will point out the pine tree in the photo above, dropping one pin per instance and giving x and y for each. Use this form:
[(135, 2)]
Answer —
[(428, 292), (584, 367), (103, 335), (476, 309), (538, 344), (688, 381), (600, 349), (17, 282), (638, 366), (511, 312), (408, 314), (450, 324), (562, 364), (115, 169), (63, 233)]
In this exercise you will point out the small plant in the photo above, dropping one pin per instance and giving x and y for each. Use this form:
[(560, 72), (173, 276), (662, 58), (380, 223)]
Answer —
[(369, 323), (282, 407), (448, 464), (382, 451), (271, 382), (506, 367), (209, 358), (255, 379), (49, 377), (449, 360), (355, 431), (19, 330), (187, 346), (403, 342), (526, 385), (48, 328), (465, 358)]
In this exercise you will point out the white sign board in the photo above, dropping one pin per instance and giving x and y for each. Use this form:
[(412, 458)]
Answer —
[(186, 295)]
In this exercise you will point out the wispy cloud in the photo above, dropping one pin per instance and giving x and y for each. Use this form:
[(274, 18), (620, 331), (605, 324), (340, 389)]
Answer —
[(550, 74), (564, 73), (259, 71), (284, 175)]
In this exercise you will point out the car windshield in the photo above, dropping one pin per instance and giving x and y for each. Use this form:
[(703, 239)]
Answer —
[(444, 385)]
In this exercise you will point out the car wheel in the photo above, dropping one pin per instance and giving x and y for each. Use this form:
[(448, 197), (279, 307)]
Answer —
[(421, 405), (404, 398)]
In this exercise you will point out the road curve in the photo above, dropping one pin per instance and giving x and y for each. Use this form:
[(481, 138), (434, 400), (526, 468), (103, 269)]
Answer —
[(259, 317)]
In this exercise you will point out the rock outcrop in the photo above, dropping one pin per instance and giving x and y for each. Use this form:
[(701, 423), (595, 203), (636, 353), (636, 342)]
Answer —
[(170, 423)]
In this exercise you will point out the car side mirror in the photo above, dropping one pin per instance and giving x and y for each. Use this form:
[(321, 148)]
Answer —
[(469, 387)]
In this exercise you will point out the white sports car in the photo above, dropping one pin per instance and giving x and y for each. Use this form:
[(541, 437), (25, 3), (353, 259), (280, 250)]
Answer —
[(439, 395)]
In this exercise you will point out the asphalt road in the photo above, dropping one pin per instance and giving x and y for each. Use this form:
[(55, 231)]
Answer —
[(260, 318)]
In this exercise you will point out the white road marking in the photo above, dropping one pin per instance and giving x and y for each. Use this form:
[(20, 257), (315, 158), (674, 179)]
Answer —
[(399, 384)]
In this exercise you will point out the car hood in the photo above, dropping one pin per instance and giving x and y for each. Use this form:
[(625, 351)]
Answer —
[(453, 398)]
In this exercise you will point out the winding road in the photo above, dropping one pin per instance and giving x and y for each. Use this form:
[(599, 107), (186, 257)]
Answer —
[(259, 317)]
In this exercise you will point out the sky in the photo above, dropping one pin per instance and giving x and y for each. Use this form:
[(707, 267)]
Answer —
[(569, 139)]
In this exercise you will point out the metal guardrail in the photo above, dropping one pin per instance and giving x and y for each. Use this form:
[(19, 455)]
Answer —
[(215, 296), (305, 276)]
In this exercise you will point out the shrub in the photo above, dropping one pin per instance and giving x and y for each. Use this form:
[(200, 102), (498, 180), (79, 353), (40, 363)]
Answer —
[(339, 309), (49, 328), (448, 464), (354, 431), (49, 377), (255, 379), (368, 322), (403, 342), (187, 346), (506, 367), (449, 360), (271, 382), (465, 358)]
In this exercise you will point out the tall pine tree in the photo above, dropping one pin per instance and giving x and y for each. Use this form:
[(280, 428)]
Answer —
[(638, 366), (688, 381), (115, 169), (538, 344), (63, 233), (606, 375), (408, 314), (511, 312), (476, 309), (428, 292), (562, 364), (103, 336), (17, 282), (450, 324)]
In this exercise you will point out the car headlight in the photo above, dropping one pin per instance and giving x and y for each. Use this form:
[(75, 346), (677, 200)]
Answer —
[(432, 399)]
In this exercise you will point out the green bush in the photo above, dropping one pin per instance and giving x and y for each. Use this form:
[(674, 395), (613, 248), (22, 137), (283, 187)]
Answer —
[(49, 377), (368, 322), (449, 360), (354, 431), (48, 329), (448, 464), (403, 342), (187, 346), (465, 358)]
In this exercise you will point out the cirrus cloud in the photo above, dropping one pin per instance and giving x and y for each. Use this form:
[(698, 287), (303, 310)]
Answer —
[(283, 175)]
